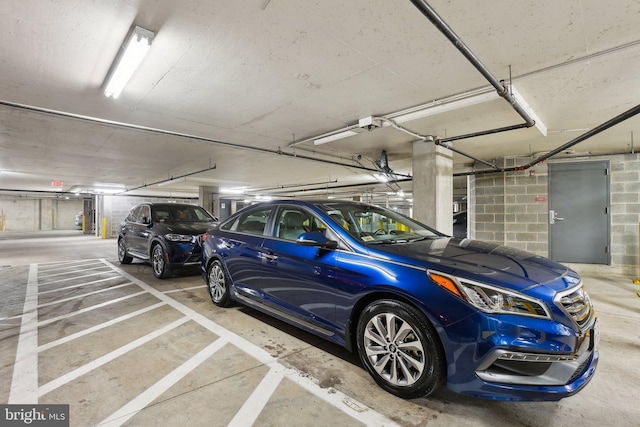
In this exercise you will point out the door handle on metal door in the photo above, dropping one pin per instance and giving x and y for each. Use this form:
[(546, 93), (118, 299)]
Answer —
[(553, 217)]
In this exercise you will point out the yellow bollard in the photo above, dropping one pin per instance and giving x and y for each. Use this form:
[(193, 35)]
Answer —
[(104, 227)]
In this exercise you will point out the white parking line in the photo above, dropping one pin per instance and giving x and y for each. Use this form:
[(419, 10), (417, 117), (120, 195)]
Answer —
[(98, 327), (72, 278), (44, 277), (334, 397), (64, 379), (93, 307), (99, 291), (24, 387), (81, 284), (24, 384), (253, 406), (184, 289), (149, 395)]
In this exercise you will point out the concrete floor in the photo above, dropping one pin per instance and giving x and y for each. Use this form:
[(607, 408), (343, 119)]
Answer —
[(123, 348)]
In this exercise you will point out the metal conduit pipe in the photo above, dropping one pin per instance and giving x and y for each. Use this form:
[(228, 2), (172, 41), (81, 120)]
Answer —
[(180, 135), (444, 28), (598, 129), (481, 133)]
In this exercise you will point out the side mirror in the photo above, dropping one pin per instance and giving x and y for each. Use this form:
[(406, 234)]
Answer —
[(316, 238)]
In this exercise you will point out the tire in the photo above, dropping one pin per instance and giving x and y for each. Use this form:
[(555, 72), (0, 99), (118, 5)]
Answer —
[(218, 284), (159, 262), (407, 362), (122, 253)]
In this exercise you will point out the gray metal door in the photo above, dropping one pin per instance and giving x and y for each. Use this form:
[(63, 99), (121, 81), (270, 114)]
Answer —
[(579, 212)]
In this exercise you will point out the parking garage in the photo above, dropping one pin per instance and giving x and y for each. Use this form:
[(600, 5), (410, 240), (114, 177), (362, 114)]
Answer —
[(421, 107)]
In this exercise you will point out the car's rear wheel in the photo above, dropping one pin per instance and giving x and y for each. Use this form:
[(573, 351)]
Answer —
[(159, 262), (122, 253), (400, 348), (218, 284)]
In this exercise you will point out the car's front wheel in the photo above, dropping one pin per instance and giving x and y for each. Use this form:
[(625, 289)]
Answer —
[(122, 253), (159, 262), (400, 348), (218, 284)]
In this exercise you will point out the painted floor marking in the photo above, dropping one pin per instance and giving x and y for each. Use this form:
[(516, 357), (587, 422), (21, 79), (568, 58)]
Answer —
[(79, 285), (24, 384), (64, 273), (332, 396), (24, 387), (184, 289), (93, 307), (149, 395), (99, 291), (98, 327), (70, 376), (55, 282), (253, 406)]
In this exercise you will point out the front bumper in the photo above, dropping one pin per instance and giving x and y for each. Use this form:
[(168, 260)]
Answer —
[(184, 253), (521, 359)]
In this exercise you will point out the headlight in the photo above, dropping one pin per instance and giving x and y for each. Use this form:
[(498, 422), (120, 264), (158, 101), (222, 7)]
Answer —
[(490, 299), (179, 237)]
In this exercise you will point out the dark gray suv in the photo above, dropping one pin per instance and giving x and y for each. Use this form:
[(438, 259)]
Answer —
[(166, 234)]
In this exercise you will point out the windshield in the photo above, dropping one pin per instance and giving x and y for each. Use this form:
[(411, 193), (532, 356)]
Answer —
[(371, 224), (181, 213)]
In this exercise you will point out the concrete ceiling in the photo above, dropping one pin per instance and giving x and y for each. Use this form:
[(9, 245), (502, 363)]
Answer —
[(231, 89)]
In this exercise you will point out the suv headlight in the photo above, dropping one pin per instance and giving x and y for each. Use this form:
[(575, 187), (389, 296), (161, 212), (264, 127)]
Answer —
[(178, 237), (490, 299)]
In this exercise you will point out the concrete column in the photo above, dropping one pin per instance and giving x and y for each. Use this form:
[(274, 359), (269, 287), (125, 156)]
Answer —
[(46, 214), (433, 185), (209, 198)]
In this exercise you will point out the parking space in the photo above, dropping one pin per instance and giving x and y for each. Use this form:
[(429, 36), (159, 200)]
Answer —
[(124, 348)]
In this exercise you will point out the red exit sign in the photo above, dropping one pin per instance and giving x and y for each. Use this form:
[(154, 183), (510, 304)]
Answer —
[(57, 184)]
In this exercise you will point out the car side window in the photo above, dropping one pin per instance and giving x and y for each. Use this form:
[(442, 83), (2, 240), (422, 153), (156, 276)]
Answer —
[(133, 214), (293, 221), (161, 215), (252, 222), (144, 215)]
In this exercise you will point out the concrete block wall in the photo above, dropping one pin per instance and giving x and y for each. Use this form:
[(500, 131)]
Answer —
[(512, 209), (625, 210), (20, 214)]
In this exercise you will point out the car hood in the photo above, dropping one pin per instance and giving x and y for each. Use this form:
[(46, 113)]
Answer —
[(188, 227), (482, 261)]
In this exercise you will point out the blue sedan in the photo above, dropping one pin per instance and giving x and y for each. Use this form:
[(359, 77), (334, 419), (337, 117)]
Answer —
[(421, 309)]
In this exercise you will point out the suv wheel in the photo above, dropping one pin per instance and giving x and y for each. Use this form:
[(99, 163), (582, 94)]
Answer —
[(159, 262), (122, 253)]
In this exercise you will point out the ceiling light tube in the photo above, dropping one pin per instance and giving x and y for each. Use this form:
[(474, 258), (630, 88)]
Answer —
[(131, 55), (438, 107), (335, 136)]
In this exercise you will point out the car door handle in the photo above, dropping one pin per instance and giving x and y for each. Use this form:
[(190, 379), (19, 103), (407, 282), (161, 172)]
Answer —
[(269, 256)]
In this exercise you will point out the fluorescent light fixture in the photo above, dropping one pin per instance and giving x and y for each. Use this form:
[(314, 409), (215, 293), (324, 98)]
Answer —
[(233, 190), (172, 181), (335, 136), (526, 107), (442, 106), (131, 55)]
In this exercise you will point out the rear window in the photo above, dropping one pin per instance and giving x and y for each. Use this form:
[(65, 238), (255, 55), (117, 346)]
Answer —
[(253, 221)]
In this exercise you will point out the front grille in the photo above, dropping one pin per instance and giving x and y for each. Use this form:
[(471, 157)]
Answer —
[(576, 303)]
